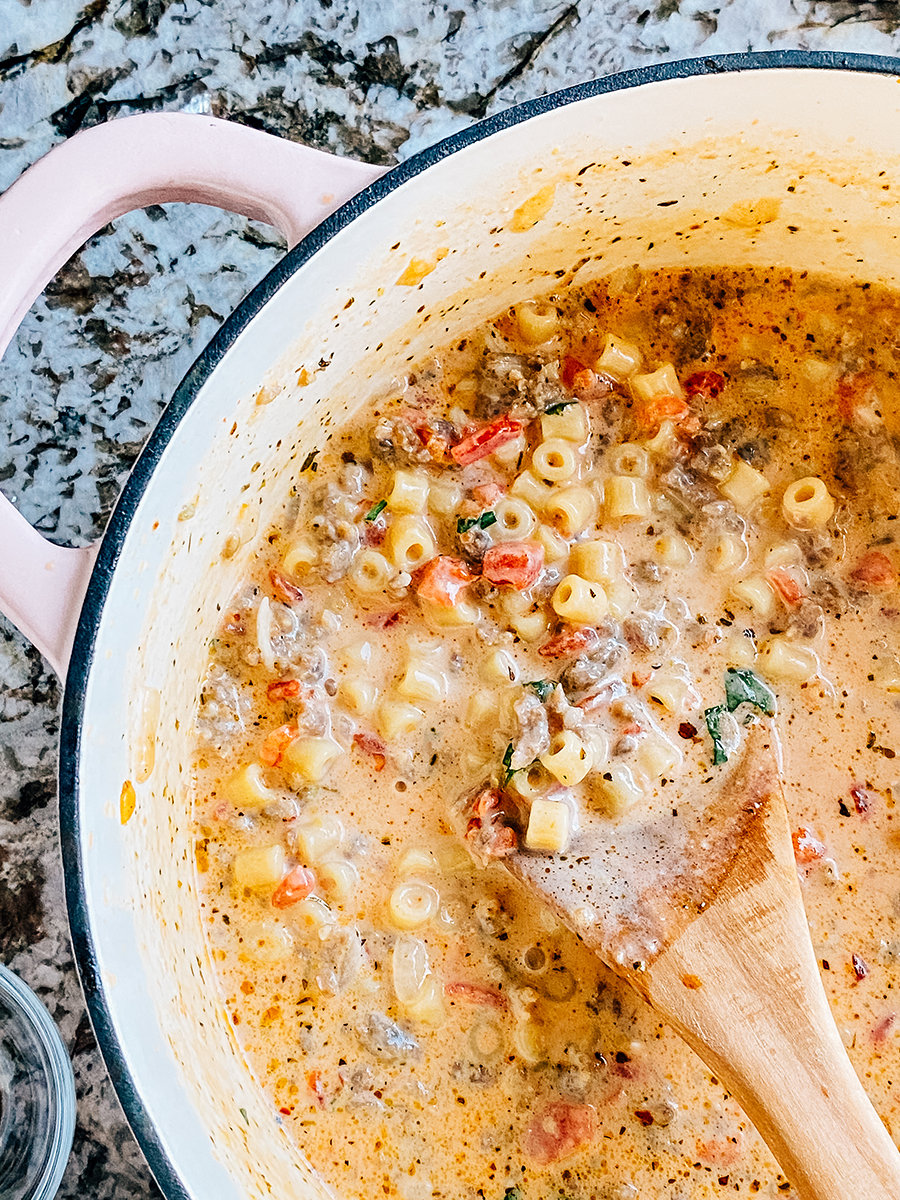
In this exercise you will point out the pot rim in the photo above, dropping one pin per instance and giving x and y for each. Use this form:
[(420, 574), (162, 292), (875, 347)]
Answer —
[(113, 538)]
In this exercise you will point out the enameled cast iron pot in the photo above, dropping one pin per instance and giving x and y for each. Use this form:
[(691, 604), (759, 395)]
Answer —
[(782, 159)]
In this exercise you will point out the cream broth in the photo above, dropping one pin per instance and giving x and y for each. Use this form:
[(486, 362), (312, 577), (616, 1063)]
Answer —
[(558, 572)]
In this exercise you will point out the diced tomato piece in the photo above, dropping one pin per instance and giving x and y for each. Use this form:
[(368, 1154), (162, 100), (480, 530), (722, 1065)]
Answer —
[(883, 1028), (705, 384), (807, 847), (786, 585), (441, 580), (283, 588), (570, 643), (861, 798), (295, 886), (721, 1151), (383, 620), (375, 532), (487, 494), (571, 368), (558, 1130), (371, 744), (486, 835), (518, 564), (276, 743), (475, 994), (651, 415), (874, 571), (482, 442), (860, 967), (857, 399), (284, 689)]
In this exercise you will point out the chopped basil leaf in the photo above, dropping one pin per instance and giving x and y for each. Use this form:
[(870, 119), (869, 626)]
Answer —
[(554, 409), (713, 717), (464, 524), (743, 686), (543, 687), (508, 772), (376, 509)]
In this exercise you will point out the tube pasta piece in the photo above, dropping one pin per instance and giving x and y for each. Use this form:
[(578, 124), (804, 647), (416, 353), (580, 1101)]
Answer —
[(568, 758), (617, 789), (728, 552), (530, 626), (628, 459), (409, 968), (532, 782), (437, 616), (313, 914), (264, 631), (487, 711), (756, 592), (318, 836), (744, 485), (672, 688), (515, 519), (510, 452), (413, 904), (556, 460), (309, 759), (672, 550), (598, 561), (579, 601), (657, 385), (626, 498), (526, 486), (419, 860), (444, 496), (537, 322), (555, 546), (409, 542), (549, 826), (409, 493), (428, 1006), (397, 719), (338, 877), (569, 424), (500, 667), (258, 867), (300, 555), (268, 941), (570, 509), (370, 573), (247, 789), (807, 503), (657, 756), (619, 358), (784, 661), (359, 695), (423, 683)]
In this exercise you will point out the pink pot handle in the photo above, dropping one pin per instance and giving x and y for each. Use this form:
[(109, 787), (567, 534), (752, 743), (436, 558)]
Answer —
[(75, 190)]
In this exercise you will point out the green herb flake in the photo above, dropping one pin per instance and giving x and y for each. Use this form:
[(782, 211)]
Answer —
[(243, 1113), (376, 510), (508, 771), (713, 718), (743, 686), (512, 1193), (541, 687), (464, 524), (309, 463), (555, 409)]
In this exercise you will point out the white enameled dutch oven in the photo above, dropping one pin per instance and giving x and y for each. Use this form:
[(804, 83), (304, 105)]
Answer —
[(787, 159)]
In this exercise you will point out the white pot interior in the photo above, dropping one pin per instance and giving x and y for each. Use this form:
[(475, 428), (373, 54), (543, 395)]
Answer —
[(791, 167)]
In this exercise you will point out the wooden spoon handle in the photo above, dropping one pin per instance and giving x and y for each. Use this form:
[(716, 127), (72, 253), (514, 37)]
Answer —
[(741, 985)]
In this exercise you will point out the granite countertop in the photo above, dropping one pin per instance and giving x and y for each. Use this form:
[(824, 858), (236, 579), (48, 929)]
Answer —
[(104, 347)]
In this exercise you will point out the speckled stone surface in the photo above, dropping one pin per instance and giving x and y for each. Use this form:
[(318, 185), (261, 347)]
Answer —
[(103, 348)]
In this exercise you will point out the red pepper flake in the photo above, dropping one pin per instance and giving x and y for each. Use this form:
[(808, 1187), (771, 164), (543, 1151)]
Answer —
[(234, 623), (687, 730), (861, 798), (316, 1086), (383, 620), (371, 744), (640, 676), (474, 993), (807, 847), (283, 588), (860, 967), (644, 1116)]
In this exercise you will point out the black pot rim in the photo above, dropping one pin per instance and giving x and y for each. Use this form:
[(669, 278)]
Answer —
[(161, 1165)]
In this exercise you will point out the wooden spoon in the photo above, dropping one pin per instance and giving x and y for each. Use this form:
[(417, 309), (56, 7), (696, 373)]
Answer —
[(731, 968)]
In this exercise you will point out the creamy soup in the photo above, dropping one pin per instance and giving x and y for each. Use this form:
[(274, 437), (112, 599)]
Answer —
[(557, 575)]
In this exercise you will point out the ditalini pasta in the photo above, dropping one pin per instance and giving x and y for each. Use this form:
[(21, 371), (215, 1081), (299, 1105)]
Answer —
[(550, 580)]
